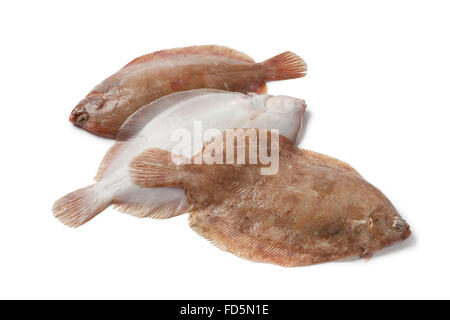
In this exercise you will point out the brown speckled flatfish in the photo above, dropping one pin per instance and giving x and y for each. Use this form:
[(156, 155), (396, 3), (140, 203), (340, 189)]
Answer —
[(160, 73), (314, 209)]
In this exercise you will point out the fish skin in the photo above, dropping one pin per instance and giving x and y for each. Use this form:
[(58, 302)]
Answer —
[(148, 128), (315, 209), (152, 76)]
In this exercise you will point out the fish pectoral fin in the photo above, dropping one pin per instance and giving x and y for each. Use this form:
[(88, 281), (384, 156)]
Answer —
[(154, 168), (205, 49), (214, 224), (138, 120)]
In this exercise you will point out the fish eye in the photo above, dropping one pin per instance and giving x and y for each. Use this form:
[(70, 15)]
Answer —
[(82, 118)]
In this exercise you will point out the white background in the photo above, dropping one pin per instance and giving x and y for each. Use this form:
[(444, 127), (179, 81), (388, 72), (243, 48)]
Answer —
[(378, 97)]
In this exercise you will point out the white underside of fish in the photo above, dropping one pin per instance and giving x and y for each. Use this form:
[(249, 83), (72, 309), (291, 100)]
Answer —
[(149, 128)]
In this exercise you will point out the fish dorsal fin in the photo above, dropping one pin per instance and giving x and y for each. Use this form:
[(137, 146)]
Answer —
[(328, 161), (206, 49), (142, 116)]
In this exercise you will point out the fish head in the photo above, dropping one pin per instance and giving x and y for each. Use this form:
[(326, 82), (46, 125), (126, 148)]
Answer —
[(285, 105), (79, 116), (88, 114), (283, 113), (387, 226)]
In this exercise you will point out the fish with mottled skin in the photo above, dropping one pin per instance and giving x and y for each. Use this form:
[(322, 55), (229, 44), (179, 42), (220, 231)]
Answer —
[(315, 209), (153, 126), (157, 74)]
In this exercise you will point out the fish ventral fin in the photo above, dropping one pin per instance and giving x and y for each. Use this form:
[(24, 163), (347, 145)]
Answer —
[(138, 120), (328, 161), (284, 66), (204, 49), (154, 168), (80, 206)]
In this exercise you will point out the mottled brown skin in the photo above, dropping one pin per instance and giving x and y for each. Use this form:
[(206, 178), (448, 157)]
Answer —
[(144, 80), (315, 209)]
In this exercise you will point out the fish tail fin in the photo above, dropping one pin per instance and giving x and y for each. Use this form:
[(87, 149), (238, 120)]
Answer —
[(154, 168), (284, 66), (80, 206)]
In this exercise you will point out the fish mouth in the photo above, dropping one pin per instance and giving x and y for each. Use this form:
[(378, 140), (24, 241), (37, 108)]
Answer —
[(73, 118), (406, 234)]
